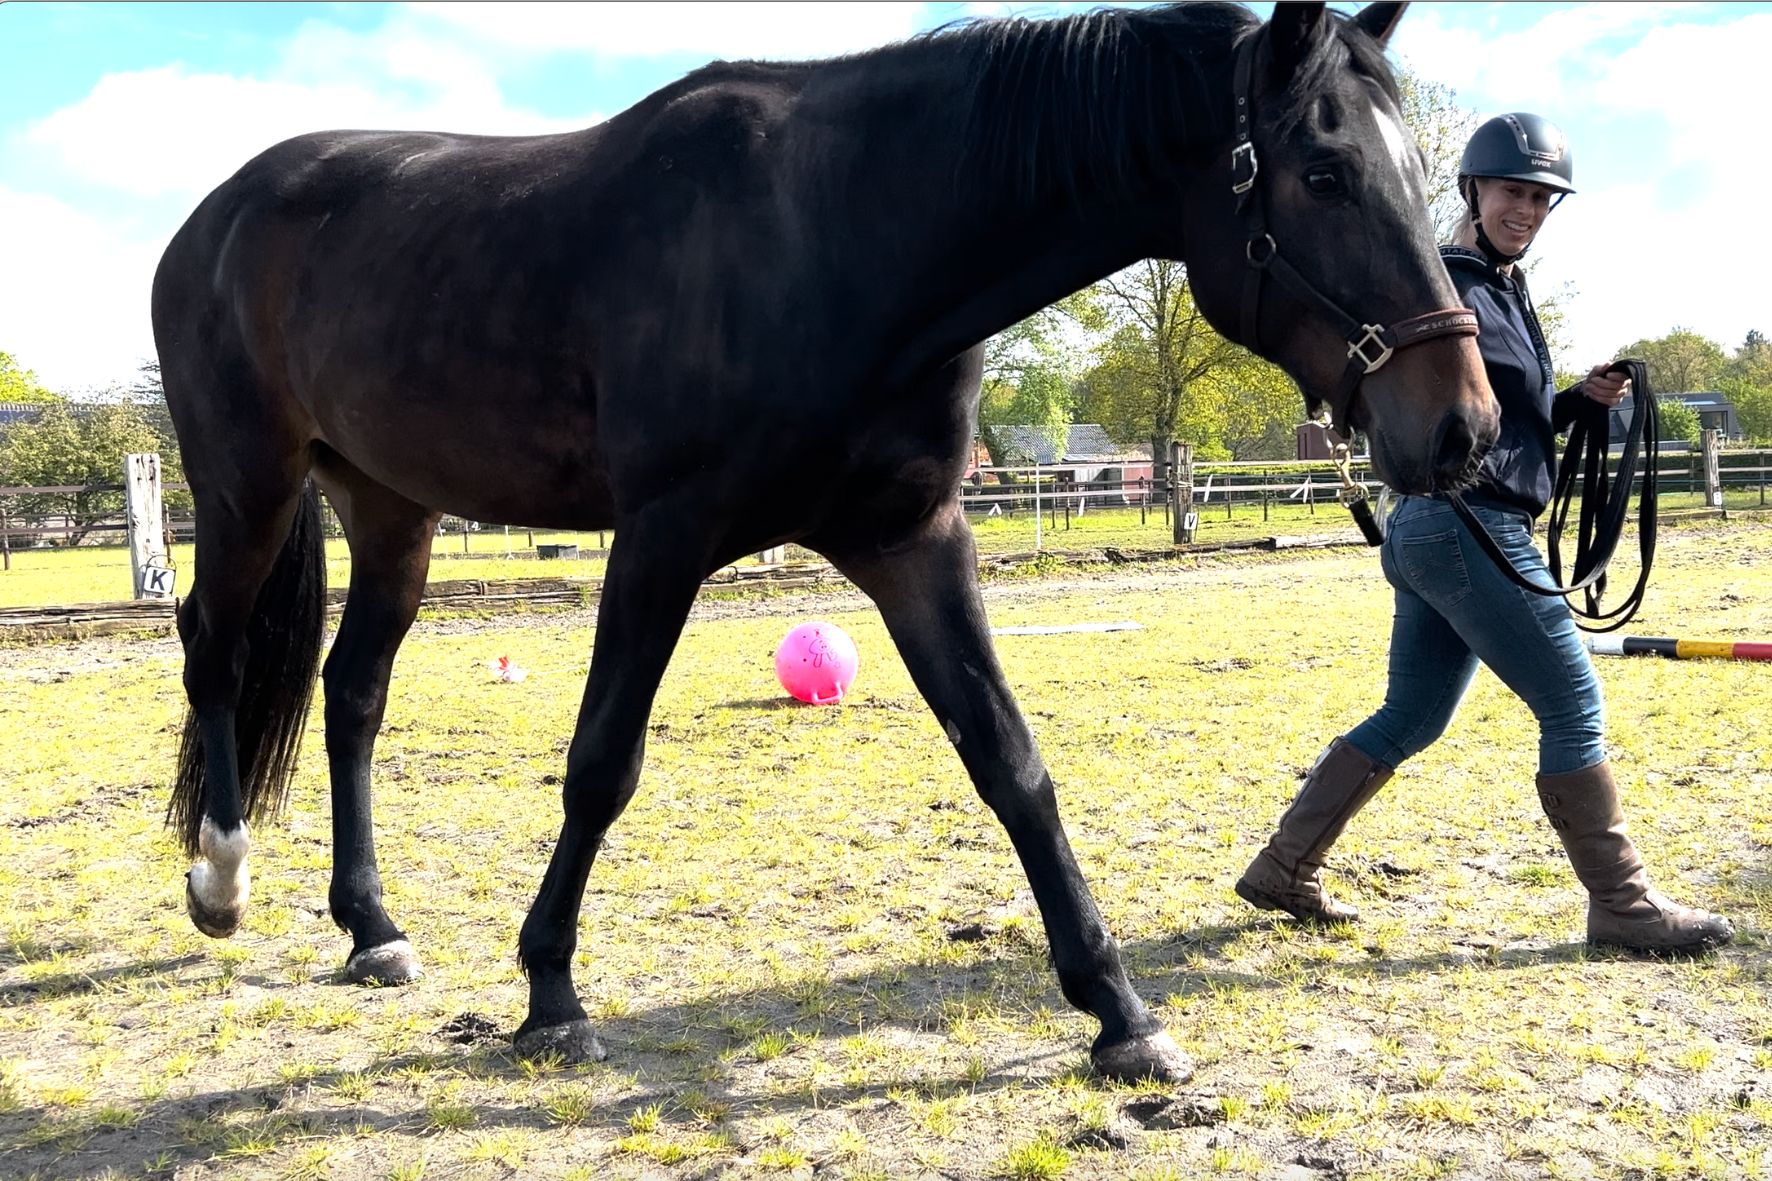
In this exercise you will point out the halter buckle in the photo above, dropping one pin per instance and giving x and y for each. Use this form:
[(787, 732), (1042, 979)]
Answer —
[(1372, 336), (1243, 151)]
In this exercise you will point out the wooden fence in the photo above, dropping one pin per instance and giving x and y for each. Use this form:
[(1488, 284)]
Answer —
[(1050, 493)]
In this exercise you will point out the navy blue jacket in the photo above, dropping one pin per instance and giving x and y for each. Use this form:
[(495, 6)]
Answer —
[(1520, 470)]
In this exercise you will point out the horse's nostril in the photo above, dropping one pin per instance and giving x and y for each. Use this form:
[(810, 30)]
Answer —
[(1457, 447)]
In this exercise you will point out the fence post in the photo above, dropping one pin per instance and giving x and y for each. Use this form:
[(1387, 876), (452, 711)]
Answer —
[(1181, 492), (1712, 443), (147, 526), (6, 531)]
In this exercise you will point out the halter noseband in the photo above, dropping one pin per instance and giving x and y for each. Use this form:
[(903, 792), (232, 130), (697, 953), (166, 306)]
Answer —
[(1369, 346)]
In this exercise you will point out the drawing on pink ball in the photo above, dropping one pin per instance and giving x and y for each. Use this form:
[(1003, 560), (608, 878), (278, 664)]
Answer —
[(816, 663)]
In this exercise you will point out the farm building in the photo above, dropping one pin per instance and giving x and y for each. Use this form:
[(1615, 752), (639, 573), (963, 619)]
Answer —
[(13, 413), (1715, 412), (1087, 457)]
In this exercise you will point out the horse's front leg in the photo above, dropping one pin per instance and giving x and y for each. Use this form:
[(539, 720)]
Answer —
[(390, 539), (927, 591), (653, 575)]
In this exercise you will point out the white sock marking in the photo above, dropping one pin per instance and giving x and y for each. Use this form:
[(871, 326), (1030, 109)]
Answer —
[(221, 880)]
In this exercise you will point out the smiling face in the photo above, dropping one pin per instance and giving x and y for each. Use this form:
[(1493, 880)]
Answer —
[(1513, 212)]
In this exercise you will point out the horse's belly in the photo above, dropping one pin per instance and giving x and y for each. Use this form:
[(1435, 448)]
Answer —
[(507, 465)]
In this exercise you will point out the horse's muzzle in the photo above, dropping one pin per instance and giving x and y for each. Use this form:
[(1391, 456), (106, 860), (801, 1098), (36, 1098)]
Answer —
[(1457, 450)]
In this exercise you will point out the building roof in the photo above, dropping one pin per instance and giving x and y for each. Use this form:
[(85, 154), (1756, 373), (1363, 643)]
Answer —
[(15, 412), (1710, 398), (1085, 442)]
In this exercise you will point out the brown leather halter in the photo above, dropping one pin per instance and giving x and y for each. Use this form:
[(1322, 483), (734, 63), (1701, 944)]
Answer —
[(1369, 346)]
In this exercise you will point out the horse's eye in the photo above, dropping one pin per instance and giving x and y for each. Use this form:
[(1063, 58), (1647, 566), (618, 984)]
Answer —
[(1323, 182)]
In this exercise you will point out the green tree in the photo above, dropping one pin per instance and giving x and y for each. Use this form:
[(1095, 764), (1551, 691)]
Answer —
[(1753, 360), (1679, 422), (1157, 373), (1258, 407), (1747, 382), (1682, 362), (1442, 128), (65, 448), (149, 397), (1031, 371), (1753, 407), (18, 384)]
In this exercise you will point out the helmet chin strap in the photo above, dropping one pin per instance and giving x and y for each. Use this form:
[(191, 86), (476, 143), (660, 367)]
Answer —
[(1490, 250)]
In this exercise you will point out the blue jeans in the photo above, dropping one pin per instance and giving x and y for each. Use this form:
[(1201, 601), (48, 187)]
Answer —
[(1454, 608)]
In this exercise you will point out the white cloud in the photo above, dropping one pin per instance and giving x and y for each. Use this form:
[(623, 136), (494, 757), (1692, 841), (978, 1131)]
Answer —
[(147, 144), (173, 131), (1555, 58), (75, 303), (651, 30)]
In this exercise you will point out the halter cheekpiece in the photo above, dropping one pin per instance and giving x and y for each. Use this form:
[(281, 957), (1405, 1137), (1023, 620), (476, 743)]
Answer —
[(1369, 346)]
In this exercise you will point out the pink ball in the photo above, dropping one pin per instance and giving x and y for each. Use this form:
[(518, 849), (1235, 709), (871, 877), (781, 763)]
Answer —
[(816, 663)]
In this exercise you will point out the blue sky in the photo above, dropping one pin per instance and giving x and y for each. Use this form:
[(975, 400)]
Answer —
[(116, 119)]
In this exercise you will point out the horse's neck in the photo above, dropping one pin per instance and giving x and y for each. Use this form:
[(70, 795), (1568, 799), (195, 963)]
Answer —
[(959, 255)]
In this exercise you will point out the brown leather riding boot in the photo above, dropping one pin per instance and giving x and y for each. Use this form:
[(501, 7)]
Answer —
[(1284, 876), (1623, 909)]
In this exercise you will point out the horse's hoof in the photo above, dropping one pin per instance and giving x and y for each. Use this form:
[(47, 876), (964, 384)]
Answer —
[(391, 963), (217, 923), (570, 1041), (1152, 1058)]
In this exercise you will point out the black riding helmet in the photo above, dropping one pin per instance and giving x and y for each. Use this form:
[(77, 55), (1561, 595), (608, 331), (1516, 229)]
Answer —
[(1516, 146)]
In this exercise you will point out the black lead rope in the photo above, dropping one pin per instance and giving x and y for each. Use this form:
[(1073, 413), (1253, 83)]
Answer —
[(1605, 506)]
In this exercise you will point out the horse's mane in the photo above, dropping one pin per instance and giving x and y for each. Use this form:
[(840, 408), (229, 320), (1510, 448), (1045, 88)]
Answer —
[(1097, 98), (1104, 99)]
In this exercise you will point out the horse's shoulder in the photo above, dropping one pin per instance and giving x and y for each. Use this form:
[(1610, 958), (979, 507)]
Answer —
[(723, 99)]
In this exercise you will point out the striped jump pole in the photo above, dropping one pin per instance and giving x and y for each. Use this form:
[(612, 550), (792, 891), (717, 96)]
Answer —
[(1608, 645)]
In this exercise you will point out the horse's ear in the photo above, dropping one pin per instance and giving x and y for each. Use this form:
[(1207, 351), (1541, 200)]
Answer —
[(1292, 30), (1379, 21)]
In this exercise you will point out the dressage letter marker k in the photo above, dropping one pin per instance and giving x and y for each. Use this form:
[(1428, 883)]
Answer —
[(156, 580)]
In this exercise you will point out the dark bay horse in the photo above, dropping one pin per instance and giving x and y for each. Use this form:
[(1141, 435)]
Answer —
[(761, 281)]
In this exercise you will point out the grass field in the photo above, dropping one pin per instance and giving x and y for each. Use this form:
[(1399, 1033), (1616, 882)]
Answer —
[(769, 940)]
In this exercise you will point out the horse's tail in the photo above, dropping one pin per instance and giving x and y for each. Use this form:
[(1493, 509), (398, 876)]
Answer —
[(283, 655)]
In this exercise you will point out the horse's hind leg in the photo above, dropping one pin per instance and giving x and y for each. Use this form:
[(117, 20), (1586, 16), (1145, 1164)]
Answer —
[(390, 539), (926, 587), (251, 630)]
